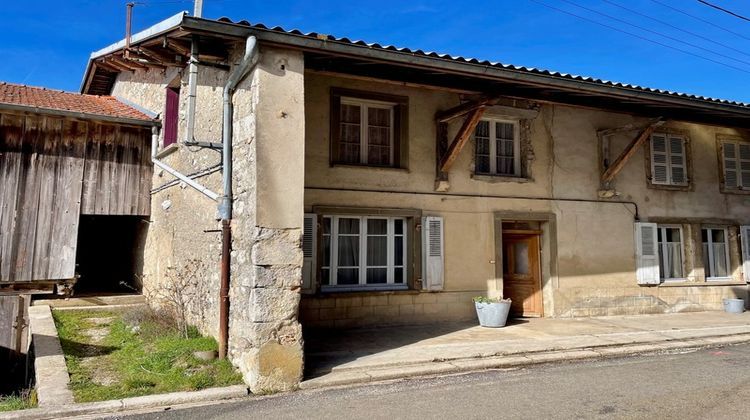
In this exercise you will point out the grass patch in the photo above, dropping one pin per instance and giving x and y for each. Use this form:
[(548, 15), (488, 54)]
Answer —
[(133, 355), (26, 399)]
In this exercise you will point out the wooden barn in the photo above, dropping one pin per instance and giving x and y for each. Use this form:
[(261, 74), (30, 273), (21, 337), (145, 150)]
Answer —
[(75, 180)]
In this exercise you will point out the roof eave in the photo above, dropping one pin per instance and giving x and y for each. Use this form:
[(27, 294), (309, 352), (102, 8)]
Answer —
[(79, 115), (171, 23)]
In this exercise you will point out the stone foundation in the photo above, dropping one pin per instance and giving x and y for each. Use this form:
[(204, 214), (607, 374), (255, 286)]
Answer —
[(386, 308)]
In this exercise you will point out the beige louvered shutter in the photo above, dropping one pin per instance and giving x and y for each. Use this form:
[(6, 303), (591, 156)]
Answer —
[(433, 251), (677, 161), (659, 163), (731, 169), (744, 165), (308, 252), (745, 240), (647, 253)]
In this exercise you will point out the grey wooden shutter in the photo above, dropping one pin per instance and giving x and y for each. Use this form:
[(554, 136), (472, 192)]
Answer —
[(433, 251), (731, 169), (647, 253), (743, 164), (308, 252), (659, 160), (745, 239), (677, 161)]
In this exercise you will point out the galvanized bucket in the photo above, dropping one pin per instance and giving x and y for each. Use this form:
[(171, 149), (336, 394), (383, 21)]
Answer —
[(492, 315), (734, 306)]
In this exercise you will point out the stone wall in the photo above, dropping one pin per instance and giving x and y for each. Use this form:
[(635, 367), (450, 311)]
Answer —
[(183, 244)]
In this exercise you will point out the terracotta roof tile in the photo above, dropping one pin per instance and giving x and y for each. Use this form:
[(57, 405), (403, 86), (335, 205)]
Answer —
[(38, 97)]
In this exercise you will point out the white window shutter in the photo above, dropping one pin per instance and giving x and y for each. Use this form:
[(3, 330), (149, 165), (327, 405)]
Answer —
[(433, 250), (647, 253), (677, 161), (731, 169), (308, 251), (745, 239), (659, 164)]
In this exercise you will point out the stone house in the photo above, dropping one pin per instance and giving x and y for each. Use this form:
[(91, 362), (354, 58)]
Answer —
[(372, 185)]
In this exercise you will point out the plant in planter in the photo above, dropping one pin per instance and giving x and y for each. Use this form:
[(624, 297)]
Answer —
[(492, 312)]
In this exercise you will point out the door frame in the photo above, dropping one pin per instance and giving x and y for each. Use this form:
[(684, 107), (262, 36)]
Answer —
[(548, 252), (536, 238)]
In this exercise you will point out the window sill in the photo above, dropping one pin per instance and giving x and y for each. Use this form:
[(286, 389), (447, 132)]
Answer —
[(743, 191), (685, 283), (370, 291), (500, 178), (377, 168), (166, 151), (669, 187)]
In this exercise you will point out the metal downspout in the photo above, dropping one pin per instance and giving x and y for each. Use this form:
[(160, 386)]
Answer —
[(225, 203)]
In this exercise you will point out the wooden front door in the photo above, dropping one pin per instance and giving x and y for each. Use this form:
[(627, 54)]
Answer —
[(522, 281)]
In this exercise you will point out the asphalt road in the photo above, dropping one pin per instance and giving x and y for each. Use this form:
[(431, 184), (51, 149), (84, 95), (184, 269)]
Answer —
[(705, 384)]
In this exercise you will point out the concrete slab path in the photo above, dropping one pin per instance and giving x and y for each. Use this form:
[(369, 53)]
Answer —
[(364, 355)]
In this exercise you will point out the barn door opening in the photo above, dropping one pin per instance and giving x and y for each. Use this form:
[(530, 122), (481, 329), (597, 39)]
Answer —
[(109, 254)]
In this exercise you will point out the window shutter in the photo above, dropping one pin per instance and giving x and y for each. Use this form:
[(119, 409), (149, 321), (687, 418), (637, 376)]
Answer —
[(659, 160), (433, 251), (308, 252), (677, 160), (731, 180), (745, 239), (744, 165), (647, 253)]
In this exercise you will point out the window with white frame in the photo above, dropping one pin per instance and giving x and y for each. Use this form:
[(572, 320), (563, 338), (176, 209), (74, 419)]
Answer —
[(497, 148), (669, 238), (715, 253), (363, 252), (736, 162), (366, 134), (668, 160)]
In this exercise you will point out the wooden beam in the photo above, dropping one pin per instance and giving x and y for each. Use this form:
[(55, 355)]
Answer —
[(116, 64), (466, 130), (463, 109), (624, 128), (130, 64), (629, 151), (160, 58), (181, 49)]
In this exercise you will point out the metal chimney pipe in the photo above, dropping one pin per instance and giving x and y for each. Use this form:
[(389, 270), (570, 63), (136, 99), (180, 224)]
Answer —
[(198, 8), (128, 20)]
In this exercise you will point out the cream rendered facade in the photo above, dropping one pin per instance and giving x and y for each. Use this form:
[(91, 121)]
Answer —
[(283, 171), (588, 249)]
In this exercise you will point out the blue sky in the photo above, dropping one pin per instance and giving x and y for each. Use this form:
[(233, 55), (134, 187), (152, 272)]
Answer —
[(47, 43)]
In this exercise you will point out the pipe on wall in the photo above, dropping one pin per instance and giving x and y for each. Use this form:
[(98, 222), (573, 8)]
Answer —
[(249, 60), (182, 177)]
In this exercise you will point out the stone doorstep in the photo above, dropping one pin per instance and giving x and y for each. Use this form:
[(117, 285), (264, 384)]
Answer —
[(395, 372), (78, 302), (632, 338), (126, 404)]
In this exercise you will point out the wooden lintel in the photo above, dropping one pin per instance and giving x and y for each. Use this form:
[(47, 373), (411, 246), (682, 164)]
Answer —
[(463, 109), (466, 130), (629, 151)]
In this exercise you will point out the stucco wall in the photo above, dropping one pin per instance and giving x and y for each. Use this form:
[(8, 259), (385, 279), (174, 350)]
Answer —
[(590, 267)]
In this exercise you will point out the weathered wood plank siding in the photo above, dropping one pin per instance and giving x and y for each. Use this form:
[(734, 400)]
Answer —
[(52, 170), (117, 175)]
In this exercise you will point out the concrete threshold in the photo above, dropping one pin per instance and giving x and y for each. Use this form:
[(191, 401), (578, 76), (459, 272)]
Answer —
[(127, 404), (507, 354)]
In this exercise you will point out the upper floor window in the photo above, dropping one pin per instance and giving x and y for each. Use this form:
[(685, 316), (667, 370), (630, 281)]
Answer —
[(497, 148), (715, 253), (668, 160), (171, 115), (736, 163), (366, 128)]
